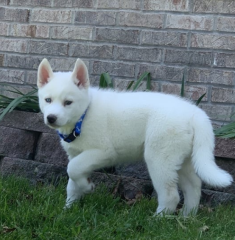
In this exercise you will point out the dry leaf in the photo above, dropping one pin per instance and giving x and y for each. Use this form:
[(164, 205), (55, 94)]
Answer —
[(8, 230), (131, 201), (204, 229), (116, 189), (139, 195)]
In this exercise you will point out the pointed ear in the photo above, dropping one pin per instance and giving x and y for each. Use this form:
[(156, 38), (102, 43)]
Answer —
[(80, 74), (44, 73)]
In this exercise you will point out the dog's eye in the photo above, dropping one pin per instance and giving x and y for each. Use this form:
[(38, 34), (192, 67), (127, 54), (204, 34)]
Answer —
[(67, 102), (48, 100)]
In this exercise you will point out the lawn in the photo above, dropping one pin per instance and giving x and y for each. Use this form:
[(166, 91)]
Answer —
[(36, 212)]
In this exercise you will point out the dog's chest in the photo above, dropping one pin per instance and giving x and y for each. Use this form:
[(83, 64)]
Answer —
[(72, 149)]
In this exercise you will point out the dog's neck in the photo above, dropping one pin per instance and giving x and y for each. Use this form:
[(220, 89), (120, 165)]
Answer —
[(66, 129), (71, 133)]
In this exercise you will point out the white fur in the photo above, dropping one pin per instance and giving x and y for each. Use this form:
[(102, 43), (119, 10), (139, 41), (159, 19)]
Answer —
[(172, 135)]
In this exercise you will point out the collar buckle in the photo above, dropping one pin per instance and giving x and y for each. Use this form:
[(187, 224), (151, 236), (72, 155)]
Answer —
[(75, 134)]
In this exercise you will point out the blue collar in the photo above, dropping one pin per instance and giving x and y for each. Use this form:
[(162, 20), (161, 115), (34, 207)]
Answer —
[(75, 132)]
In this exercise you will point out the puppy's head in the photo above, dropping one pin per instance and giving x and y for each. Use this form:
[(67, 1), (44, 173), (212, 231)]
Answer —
[(63, 96)]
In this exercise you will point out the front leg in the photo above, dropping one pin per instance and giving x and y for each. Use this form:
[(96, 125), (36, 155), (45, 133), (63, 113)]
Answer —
[(79, 170)]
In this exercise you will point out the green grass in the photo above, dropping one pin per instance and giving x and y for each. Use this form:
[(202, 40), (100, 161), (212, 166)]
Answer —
[(35, 212)]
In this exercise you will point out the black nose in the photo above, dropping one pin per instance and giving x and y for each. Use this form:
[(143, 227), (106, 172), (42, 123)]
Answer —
[(51, 118)]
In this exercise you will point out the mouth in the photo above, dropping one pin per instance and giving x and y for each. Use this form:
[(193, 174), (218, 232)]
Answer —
[(52, 125)]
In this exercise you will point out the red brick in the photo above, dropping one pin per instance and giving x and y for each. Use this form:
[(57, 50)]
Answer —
[(30, 31), (63, 3), (84, 3), (95, 80), (191, 92), (195, 92), (133, 19), (4, 2), (218, 112), (4, 28), (189, 22), (119, 4), (213, 41), (1, 60), (168, 5), (223, 95), (13, 45), (48, 48), (78, 50), (74, 3), (117, 35), (11, 76), (32, 62), (163, 73), (189, 57), (73, 33), (226, 24), (51, 16), (116, 69), (93, 51), (18, 61), (33, 3), (95, 18), (14, 14), (211, 76), (208, 6), (101, 51), (63, 64), (171, 88), (224, 60), (139, 54), (31, 77), (176, 39)]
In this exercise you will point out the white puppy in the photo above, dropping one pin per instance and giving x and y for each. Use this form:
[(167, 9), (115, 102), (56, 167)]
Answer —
[(100, 128)]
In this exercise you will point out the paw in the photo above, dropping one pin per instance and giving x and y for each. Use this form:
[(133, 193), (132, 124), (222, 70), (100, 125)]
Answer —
[(68, 204), (91, 186)]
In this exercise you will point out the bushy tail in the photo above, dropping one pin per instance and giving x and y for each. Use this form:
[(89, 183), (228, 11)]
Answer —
[(203, 157)]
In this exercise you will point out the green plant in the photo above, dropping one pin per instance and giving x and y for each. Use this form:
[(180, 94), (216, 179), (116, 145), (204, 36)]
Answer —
[(182, 92), (226, 131), (106, 81), (24, 102)]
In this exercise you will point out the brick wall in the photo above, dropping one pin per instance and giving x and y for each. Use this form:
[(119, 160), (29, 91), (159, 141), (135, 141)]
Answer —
[(125, 38)]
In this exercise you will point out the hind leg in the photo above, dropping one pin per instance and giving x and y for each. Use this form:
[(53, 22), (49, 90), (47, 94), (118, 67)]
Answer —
[(190, 184), (164, 177)]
